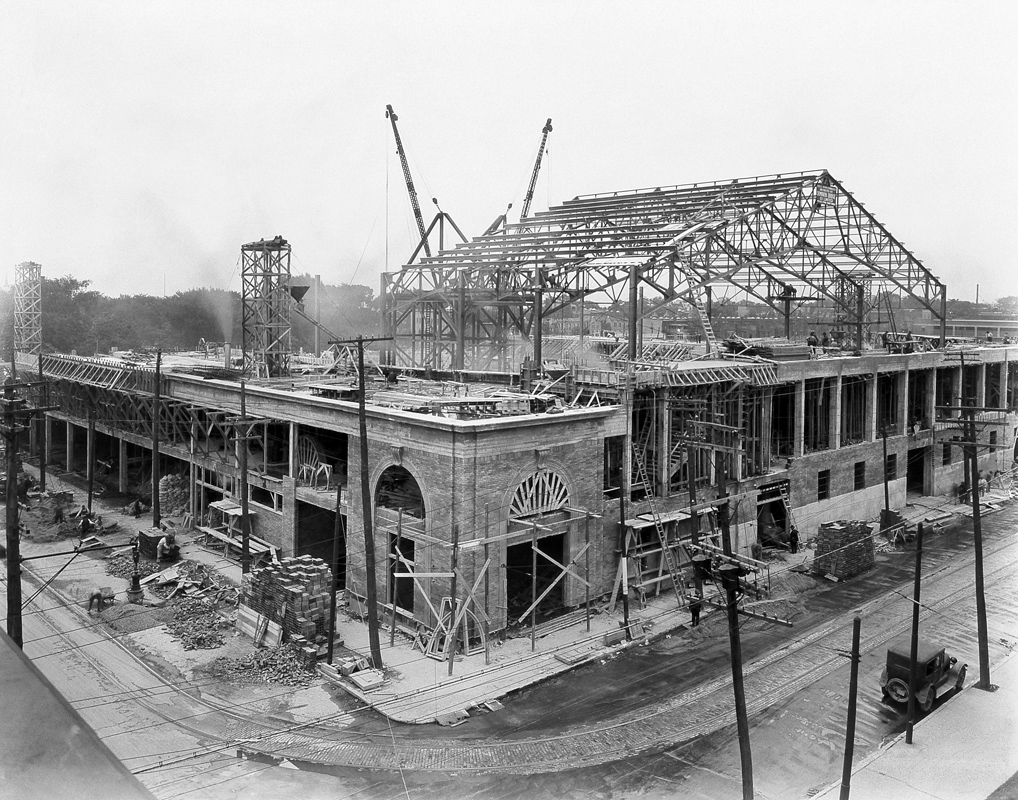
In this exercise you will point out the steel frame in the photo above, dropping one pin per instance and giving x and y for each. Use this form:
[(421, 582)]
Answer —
[(800, 236), (28, 308), (265, 275)]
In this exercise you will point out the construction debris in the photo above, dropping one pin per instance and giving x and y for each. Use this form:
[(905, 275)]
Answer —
[(284, 665), (121, 565), (196, 624)]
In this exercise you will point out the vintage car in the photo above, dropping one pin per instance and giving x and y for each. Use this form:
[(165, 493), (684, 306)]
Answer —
[(936, 672)]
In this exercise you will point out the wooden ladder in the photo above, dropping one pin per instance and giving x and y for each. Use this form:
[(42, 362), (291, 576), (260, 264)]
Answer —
[(708, 330), (666, 551)]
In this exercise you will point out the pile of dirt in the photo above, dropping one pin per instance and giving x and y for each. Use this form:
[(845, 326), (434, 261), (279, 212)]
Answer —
[(128, 618), (794, 584), (284, 665), (196, 624)]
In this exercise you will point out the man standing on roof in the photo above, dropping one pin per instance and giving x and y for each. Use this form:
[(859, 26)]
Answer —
[(813, 343)]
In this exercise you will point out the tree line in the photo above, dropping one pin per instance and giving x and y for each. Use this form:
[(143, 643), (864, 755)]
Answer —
[(78, 319)]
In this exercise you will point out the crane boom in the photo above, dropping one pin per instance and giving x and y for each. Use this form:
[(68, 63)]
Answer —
[(537, 168), (391, 116)]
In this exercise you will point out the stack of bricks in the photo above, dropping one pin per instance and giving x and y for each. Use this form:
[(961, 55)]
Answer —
[(173, 495), (843, 549), (295, 594)]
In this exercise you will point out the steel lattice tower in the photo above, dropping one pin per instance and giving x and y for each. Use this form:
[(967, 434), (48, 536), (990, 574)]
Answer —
[(28, 308), (265, 273)]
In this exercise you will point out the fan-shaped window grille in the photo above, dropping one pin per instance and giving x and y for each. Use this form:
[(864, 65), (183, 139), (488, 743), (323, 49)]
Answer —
[(540, 493)]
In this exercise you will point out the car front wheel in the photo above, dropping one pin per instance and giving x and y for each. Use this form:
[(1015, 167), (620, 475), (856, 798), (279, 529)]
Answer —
[(931, 697)]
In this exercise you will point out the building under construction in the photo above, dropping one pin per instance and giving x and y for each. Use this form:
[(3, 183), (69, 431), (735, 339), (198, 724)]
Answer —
[(520, 462)]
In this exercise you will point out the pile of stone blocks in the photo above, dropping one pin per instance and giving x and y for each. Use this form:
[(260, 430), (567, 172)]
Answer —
[(295, 595), (843, 549)]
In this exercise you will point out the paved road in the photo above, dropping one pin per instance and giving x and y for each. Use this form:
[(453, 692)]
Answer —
[(770, 679), (146, 722)]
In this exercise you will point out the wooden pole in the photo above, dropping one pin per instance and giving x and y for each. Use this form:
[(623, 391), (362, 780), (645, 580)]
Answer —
[(853, 690), (392, 579), (913, 667), (44, 391), (533, 588), (730, 582), (586, 565), (156, 402), (487, 572), (245, 518), (90, 466), (977, 531), (336, 532), (694, 517), (10, 432), (369, 535), (451, 634), (625, 563)]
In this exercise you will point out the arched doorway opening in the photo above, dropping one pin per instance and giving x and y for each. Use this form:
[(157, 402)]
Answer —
[(399, 514), (534, 554)]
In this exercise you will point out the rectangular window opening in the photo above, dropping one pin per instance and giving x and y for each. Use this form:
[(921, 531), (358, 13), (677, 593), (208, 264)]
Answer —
[(824, 484)]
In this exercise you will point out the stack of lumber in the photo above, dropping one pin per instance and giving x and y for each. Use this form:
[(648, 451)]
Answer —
[(293, 594), (843, 549)]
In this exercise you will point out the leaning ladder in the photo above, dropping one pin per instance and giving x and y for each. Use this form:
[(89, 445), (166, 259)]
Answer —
[(783, 491), (658, 527), (708, 330)]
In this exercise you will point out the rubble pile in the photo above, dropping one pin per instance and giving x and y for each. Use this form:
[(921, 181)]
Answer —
[(122, 566), (173, 495), (196, 624), (843, 549), (286, 665), (293, 593)]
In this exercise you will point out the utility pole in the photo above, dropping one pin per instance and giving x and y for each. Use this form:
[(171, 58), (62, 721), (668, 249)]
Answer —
[(156, 402), (970, 455), (730, 583), (887, 491), (913, 666), (370, 591), (12, 407), (43, 398), (90, 467), (853, 690), (13, 418), (625, 560), (336, 532), (245, 517), (451, 634), (971, 452), (694, 517)]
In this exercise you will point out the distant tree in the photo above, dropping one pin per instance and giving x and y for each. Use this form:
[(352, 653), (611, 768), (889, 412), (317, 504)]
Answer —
[(68, 313), (1007, 305)]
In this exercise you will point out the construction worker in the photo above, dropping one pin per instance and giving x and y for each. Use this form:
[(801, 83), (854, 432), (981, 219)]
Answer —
[(97, 599), (167, 549), (695, 607), (813, 343)]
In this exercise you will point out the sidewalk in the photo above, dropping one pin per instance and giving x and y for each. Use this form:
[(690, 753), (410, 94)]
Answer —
[(964, 750), (419, 688)]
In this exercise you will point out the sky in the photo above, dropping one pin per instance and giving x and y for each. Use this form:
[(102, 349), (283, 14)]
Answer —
[(141, 144)]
